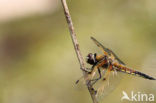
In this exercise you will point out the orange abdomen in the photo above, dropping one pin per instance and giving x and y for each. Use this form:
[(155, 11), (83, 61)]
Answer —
[(123, 68)]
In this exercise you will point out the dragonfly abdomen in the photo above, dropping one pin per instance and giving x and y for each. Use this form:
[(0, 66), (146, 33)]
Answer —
[(144, 75), (123, 68), (133, 72)]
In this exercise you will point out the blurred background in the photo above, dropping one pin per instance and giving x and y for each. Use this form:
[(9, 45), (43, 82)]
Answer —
[(38, 63)]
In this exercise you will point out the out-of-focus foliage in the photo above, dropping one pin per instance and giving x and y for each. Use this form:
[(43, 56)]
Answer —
[(38, 63)]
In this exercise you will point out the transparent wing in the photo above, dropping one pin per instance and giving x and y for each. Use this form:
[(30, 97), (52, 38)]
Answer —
[(108, 85), (107, 51)]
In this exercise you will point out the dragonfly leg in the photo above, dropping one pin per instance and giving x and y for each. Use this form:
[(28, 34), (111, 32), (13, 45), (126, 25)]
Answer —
[(91, 72), (95, 80), (93, 69)]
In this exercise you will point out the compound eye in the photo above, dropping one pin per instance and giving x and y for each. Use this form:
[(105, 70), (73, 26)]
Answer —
[(91, 58), (90, 54)]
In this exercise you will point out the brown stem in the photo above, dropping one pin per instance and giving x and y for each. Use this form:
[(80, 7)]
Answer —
[(77, 49)]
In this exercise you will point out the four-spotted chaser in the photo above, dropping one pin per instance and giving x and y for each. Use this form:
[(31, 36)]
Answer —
[(108, 62)]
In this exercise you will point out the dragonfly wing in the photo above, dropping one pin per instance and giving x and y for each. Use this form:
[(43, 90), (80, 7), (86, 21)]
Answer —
[(100, 46), (107, 51), (107, 86), (120, 61)]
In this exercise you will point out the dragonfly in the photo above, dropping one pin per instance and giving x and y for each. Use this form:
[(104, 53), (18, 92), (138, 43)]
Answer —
[(108, 62)]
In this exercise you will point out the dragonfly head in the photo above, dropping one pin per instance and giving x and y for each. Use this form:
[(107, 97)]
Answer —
[(91, 58)]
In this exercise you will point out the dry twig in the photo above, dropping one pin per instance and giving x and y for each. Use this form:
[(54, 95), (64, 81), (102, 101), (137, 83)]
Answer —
[(77, 50)]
